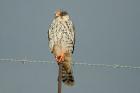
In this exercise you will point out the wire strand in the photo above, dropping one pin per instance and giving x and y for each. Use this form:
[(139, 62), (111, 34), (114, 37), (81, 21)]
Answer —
[(25, 60)]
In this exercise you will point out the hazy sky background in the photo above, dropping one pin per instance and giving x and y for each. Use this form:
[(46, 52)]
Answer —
[(107, 32)]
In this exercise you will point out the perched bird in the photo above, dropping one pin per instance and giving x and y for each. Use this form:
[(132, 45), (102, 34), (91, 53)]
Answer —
[(61, 36)]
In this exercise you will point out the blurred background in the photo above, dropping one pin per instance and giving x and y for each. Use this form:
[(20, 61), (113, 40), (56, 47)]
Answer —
[(107, 32)]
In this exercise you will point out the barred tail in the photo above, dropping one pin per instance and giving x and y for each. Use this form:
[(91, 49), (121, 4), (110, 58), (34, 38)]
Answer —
[(67, 74), (67, 77)]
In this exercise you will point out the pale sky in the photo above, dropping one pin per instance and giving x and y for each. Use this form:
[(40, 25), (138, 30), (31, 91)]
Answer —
[(107, 32)]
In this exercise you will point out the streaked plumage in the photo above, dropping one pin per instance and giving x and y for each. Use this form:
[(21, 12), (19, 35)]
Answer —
[(61, 37)]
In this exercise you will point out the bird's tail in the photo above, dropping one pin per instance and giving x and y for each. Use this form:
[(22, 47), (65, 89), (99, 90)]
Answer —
[(67, 77), (67, 74)]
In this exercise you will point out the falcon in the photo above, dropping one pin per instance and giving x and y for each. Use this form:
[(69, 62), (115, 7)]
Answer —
[(61, 36)]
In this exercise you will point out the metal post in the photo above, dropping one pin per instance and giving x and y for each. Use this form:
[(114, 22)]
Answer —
[(60, 78)]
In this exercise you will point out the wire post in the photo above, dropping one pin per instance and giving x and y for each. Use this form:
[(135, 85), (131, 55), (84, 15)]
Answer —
[(60, 78)]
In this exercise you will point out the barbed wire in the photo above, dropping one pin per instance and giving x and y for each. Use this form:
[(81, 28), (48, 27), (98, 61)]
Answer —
[(25, 60)]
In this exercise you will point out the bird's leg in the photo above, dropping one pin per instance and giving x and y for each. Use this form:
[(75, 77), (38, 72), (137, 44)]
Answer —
[(60, 58)]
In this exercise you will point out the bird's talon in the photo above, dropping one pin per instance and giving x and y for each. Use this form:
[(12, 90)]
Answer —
[(59, 59)]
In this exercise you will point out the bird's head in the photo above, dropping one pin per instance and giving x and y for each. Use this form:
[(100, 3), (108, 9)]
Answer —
[(60, 13)]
